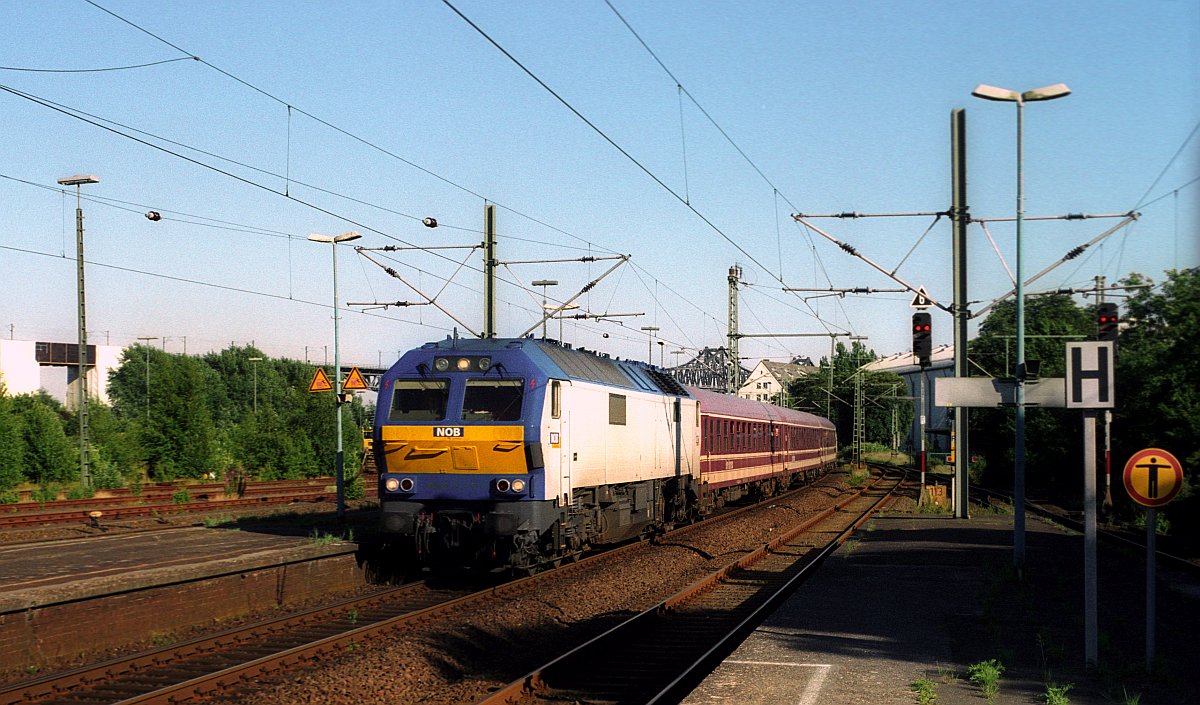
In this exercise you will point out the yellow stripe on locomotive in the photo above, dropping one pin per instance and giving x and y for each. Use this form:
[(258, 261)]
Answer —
[(445, 449)]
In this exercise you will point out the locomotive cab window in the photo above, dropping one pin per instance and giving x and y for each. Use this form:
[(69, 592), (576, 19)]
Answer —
[(493, 400), (419, 400)]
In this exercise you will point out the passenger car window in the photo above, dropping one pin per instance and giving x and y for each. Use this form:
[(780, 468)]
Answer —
[(493, 400), (419, 400)]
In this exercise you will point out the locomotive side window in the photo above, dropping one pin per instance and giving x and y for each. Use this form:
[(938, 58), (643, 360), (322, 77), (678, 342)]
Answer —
[(493, 400), (419, 400), (616, 409), (555, 399)]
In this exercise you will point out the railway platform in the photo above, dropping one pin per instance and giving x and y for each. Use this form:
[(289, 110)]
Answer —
[(59, 599), (921, 597)]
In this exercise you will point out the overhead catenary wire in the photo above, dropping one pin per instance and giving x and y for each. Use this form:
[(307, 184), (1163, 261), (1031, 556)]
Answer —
[(680, 88), (357, 138), (654, 177), (97, 70), (290, 107)]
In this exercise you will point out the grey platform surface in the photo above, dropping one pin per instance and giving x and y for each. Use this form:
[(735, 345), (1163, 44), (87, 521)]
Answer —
[(921, 597), (37, 574)]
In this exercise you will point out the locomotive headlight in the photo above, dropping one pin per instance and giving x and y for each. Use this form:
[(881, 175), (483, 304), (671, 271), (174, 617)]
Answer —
[(485, 364), (463, 364), (502, 485), (441, 364), (406, 485), (518, 485), (391, 484)]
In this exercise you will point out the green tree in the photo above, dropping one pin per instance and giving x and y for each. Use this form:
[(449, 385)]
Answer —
[(12, 450), (879, 390), (1050, 434), (176, 434), (49, 455), (1158, 383)]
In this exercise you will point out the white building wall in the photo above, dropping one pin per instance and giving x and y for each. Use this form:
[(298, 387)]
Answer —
[(19, 369), (21, 373)]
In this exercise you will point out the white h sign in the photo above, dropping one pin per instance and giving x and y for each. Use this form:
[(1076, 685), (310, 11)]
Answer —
[(1090, 379)]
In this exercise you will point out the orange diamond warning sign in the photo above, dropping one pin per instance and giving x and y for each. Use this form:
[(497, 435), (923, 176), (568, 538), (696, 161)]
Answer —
[(320, 382), (354, 381)]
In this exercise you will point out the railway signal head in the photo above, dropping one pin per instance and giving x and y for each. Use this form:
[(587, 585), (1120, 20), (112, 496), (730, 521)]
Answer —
[(922, 337), (1106, 322)]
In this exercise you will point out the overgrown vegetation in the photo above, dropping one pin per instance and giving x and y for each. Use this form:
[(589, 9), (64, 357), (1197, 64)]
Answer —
[(1057, 694), (882, 392), (1157, 392), (194, 419), (986, 675), (926, 691)]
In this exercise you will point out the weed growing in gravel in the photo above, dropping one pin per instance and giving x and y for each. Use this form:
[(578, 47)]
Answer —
[(181, 496), (926, 691), (986, 675), (851, 544), (10, 497), (321, 538), (858, 476), (352, 615), (1057, 694), (1128, 698), (215, 521), (163, 638), (41, 495)]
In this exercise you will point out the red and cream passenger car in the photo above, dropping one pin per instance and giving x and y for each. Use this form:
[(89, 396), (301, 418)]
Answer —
[(751, 447)]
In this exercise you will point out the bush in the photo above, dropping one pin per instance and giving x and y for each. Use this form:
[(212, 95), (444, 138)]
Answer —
[(181, 496), (46, 493), (80, 492), (105, 475), (355, 489), (10, 497)]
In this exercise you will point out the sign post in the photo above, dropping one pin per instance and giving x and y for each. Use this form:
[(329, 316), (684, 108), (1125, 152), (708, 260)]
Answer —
[(1150, 487), (1089, 386)]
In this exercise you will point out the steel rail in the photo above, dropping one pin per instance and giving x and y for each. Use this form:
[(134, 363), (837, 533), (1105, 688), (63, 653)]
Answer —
[(537, 684), (1106, 534), (107, 676)]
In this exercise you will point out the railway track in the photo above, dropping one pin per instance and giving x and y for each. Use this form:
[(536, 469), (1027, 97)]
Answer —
[(1071, 521), (223, 662), (662, 653), (210, 498)]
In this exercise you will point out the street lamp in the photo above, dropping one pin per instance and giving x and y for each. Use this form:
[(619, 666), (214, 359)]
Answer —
[(333, 240), (85, 461), (146, 341), (257, 360), (1058, 90), (544, 283), (651, 330), (559, 315)]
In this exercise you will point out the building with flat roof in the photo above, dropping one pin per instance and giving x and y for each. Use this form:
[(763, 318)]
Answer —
[(28, 365)]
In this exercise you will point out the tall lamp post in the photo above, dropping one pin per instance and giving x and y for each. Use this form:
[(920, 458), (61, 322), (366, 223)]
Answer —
[(545, 283), (85, 460), (146, 342), (257, 360), (1058, 90), (333, 240)]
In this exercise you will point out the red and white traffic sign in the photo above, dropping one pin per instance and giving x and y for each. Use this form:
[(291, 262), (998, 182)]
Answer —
[(1153, 477)]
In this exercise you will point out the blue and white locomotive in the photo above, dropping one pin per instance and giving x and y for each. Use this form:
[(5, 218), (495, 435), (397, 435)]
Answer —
[(518, 452)]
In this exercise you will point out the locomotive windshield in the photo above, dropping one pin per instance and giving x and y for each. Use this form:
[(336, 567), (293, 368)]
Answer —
[(493, 400), (419, 400)]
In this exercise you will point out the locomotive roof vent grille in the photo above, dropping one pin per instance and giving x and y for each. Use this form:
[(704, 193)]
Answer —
[(667, 383), (587, 366)]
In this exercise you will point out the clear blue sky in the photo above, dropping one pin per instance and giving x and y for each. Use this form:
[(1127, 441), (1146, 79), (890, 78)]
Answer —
[(840, 106)]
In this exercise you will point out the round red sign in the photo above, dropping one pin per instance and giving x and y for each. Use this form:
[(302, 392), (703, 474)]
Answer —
[(1153, 477)]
